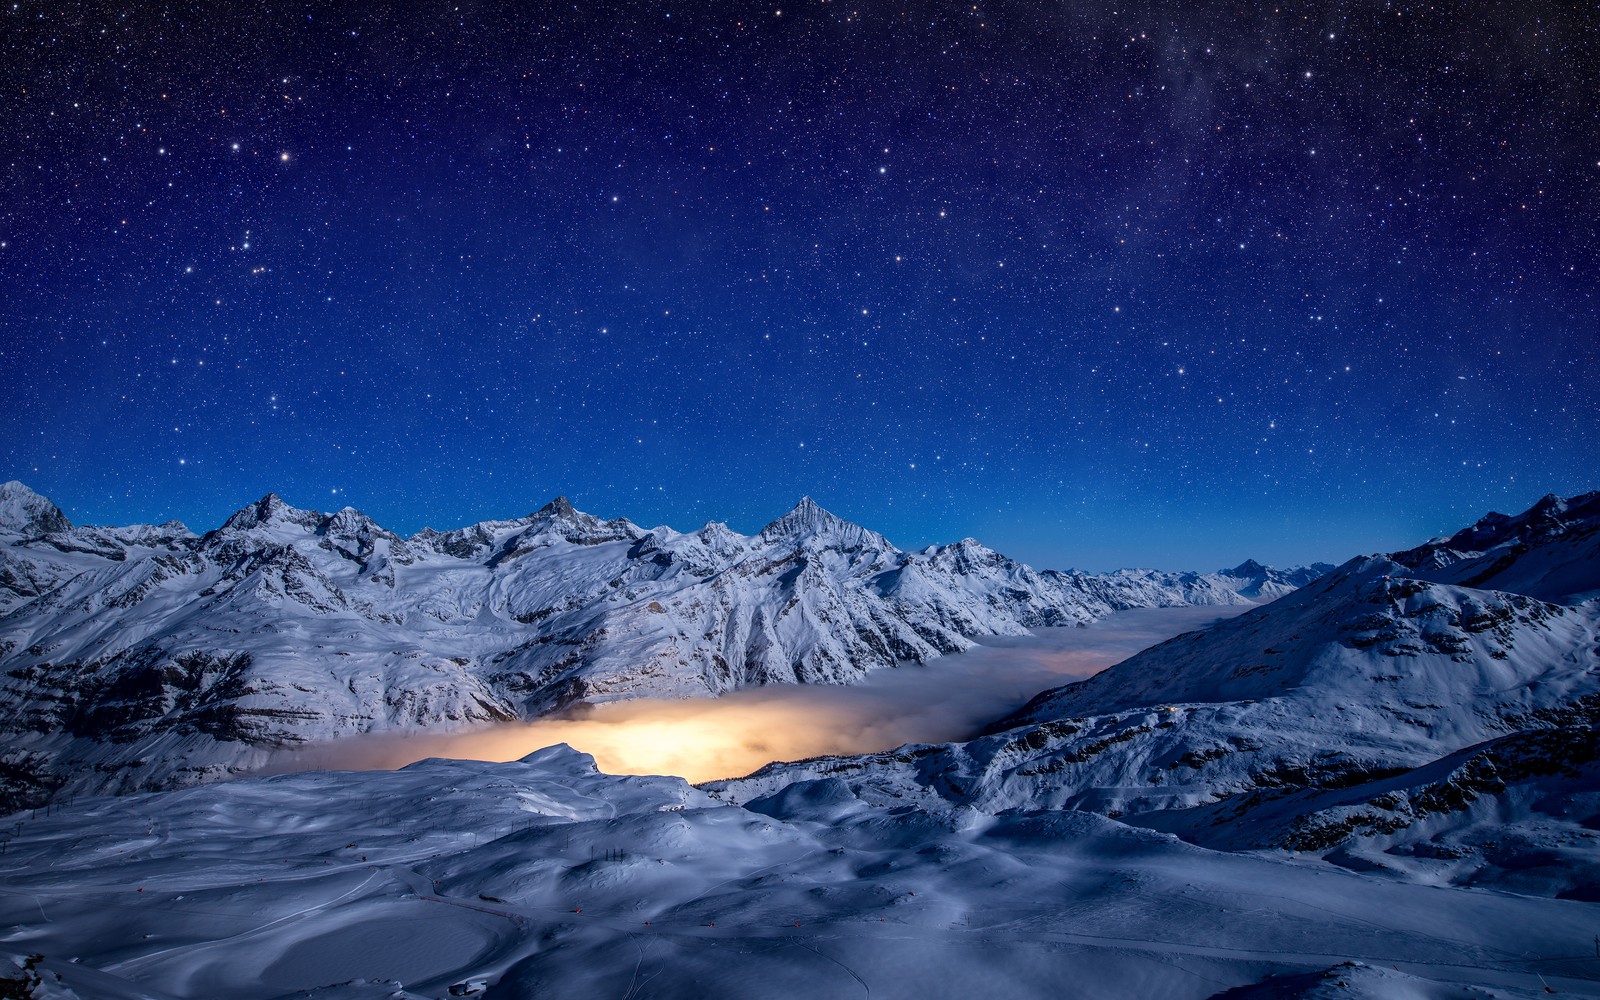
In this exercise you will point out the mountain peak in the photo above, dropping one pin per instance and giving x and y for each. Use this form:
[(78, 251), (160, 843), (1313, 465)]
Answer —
[(806, 516), (559, 518), (809, 520), (1249, 567), (810, 511), (350, 522), (1548, 551), (270, 510), (27, 513), (559, 507), (716, 532)]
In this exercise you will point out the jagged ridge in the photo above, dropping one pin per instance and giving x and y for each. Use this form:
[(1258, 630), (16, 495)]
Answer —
[(141, 657)]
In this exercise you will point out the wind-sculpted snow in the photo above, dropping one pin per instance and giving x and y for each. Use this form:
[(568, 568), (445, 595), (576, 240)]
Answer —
[(149, 657), (544, 878)]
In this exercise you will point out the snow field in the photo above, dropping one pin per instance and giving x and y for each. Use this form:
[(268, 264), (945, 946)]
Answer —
[(545, 875)]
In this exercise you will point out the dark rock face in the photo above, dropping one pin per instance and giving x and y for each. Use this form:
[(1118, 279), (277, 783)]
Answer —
[(1386, 807)]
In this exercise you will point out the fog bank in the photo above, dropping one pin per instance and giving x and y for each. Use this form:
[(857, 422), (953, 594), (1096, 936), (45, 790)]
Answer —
[(949, 698)]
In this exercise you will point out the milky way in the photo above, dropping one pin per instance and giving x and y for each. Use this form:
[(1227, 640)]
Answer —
[(1098, 283)]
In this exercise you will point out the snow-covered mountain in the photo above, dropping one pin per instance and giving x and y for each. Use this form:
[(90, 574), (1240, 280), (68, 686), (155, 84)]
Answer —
[(1550, 551), (1266, 583), (1369, 711), (148, 656), (1305, 800), (25, 512)]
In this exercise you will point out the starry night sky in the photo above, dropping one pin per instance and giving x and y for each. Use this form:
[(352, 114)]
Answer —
[(1101, 284)]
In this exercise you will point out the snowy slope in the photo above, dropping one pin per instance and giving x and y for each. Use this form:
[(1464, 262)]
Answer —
[(1369, 681), (1363, 683), (149, 657), (1461, 661), (544, 878)]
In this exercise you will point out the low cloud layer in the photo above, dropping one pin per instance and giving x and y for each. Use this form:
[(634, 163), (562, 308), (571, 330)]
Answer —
[(948, 699)]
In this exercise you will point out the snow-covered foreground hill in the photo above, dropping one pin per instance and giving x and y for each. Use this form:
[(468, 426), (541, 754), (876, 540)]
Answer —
[(149, 657), (543, 878)]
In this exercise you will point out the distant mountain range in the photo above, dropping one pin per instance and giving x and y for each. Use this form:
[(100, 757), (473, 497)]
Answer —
[(147, 656)]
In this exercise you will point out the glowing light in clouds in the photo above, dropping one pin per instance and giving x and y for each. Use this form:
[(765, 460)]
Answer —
[(704, 739)]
